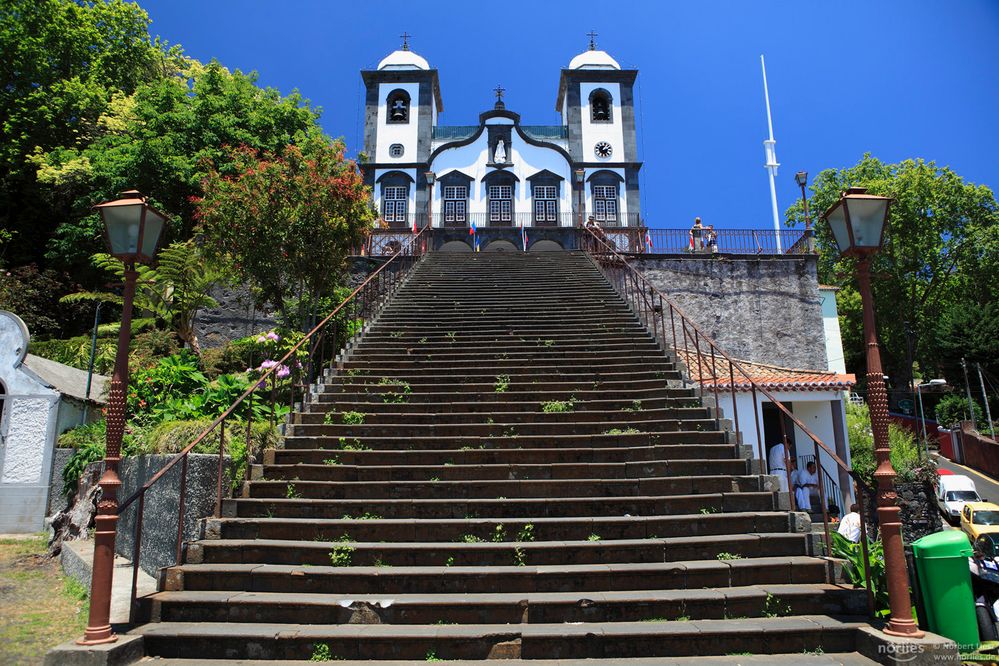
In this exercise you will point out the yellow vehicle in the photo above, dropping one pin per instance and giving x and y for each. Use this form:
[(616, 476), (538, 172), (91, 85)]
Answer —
[(977, 518)]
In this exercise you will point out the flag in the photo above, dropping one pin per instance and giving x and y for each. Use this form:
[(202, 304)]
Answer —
[(648, 241), (523, 236), (476, 243), (471, 229), (414, 224)]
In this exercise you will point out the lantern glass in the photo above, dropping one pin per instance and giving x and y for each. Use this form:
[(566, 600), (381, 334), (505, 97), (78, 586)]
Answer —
[(867, 220), (801, 178), (837, 222), (122, 223)]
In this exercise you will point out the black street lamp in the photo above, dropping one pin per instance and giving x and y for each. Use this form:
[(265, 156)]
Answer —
[(132, 229), (858, 222)]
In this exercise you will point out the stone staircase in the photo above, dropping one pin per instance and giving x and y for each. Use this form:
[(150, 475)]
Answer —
[(507, 465)]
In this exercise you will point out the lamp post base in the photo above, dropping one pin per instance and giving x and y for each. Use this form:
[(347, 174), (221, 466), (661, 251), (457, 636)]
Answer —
[(903, 628), (98, 636)]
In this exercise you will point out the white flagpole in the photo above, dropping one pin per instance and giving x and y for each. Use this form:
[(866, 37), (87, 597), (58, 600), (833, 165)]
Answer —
[(770, 149)]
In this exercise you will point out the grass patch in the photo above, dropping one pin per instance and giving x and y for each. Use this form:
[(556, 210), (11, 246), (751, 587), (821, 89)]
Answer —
[(40, 607), (502, 384), (559, 406)]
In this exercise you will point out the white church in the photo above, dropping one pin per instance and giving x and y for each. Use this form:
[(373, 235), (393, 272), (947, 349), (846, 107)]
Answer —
[(501, 173)]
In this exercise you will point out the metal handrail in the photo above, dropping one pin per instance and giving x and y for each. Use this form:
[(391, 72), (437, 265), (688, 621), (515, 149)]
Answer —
[(653, 307), (363, 300)]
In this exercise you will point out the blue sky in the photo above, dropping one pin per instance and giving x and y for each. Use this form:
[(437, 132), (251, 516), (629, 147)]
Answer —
[(898, 79)]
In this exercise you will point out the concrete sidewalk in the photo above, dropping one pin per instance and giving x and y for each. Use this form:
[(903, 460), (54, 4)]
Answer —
[(77, 560)]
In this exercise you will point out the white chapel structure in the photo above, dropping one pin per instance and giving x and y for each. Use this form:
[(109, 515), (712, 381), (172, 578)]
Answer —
[(500, 172)]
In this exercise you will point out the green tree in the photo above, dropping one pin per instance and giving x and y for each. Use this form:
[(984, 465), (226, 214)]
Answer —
[(173, 291), (61, 62), (941, 247), (286, 221)]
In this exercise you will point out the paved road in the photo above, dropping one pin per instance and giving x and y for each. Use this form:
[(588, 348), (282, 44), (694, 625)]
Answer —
[(988, 487)]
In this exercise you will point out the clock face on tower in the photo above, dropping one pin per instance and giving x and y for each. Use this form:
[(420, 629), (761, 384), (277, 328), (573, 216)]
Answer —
[(603, 149)]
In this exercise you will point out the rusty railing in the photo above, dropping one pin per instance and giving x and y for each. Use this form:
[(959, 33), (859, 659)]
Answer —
[(318, 349), (711, 368)]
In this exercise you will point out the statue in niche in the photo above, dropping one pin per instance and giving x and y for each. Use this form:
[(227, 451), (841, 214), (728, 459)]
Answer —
[(499, 156)]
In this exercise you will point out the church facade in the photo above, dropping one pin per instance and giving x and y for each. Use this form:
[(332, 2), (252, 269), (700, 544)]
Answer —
[(501, 172)]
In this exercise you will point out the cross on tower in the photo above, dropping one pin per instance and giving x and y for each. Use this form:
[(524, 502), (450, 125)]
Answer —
[(405, 40), (499, 93), (593, 40)]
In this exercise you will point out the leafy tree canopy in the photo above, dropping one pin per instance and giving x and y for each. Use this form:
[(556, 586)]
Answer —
[(280, 215), (939, 256)]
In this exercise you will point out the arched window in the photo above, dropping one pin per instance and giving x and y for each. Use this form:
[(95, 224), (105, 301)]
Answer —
[(604, 189), (398, 106), (500, 187), (601, 106)]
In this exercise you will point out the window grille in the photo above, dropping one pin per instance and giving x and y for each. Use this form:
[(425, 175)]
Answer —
[(605, 203), (545, 203), (394, 203), (500, 203), (455, 203)]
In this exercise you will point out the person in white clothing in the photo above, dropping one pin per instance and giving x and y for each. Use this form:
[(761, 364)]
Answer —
[(850, 525), (777, 465), (803, 485)]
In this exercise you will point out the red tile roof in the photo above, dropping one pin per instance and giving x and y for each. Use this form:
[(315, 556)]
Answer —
[(771, 377)]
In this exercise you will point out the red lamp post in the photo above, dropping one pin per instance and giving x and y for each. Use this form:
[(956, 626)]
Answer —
[(858, 221), (132, 229)]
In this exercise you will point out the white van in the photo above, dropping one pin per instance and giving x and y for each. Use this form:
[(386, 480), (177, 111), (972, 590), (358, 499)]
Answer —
[(953, 492)]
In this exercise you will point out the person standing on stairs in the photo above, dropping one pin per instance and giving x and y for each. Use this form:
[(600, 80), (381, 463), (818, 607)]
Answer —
[(777, 464)]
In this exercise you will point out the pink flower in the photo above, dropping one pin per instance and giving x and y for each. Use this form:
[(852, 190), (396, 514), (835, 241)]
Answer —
[(271, 335), (267, 365), (261, 339), (283, 371)]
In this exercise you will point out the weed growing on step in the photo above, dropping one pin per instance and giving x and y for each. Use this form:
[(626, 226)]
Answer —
[(469, 538), (353, 444), (636, 406), (593, 537), (774, 607), (380, 563), (435, 479), (449, 562), (335, 460), (423, 341), (818, 652), (502, 383), (290, 492), (526, 533), (367, 515), (444, 622), (322, 652), (510, 432), (728, 556), (549, 343), (450, 335), (619, 431), (353, 418), (341, 556), (354, 372), (559, 406), (432, 656), (519, 557), (400, 396), (707, 510), (499, 534), (396, 334), (269, 513), (329, 418), (655, 619)]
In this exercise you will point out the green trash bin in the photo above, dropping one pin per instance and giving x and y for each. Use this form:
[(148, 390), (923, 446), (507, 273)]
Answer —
[(945, 586)]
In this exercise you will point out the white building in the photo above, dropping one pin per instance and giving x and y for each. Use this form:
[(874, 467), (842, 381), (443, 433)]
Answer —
[(499, 172), (815, 397)]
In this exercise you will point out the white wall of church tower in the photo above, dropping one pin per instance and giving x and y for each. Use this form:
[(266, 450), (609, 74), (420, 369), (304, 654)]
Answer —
[(595, 132), (405, 134)]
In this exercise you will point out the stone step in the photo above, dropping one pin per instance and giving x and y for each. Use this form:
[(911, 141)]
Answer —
[(469, 456), (545, 529), (485, 386), (426, 442), (486, 395), (512, 429), (503, 488), (695, 574), (505, 553), (684, 419), (335, 471), (397, 402), (511, 608), (816, 658), (798, 634), (278, 507)]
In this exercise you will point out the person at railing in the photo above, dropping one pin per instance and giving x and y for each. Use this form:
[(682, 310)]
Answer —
[(595, 227), (850, 525), (696, 236), (777, 465), (711, 239), (806, 482)]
